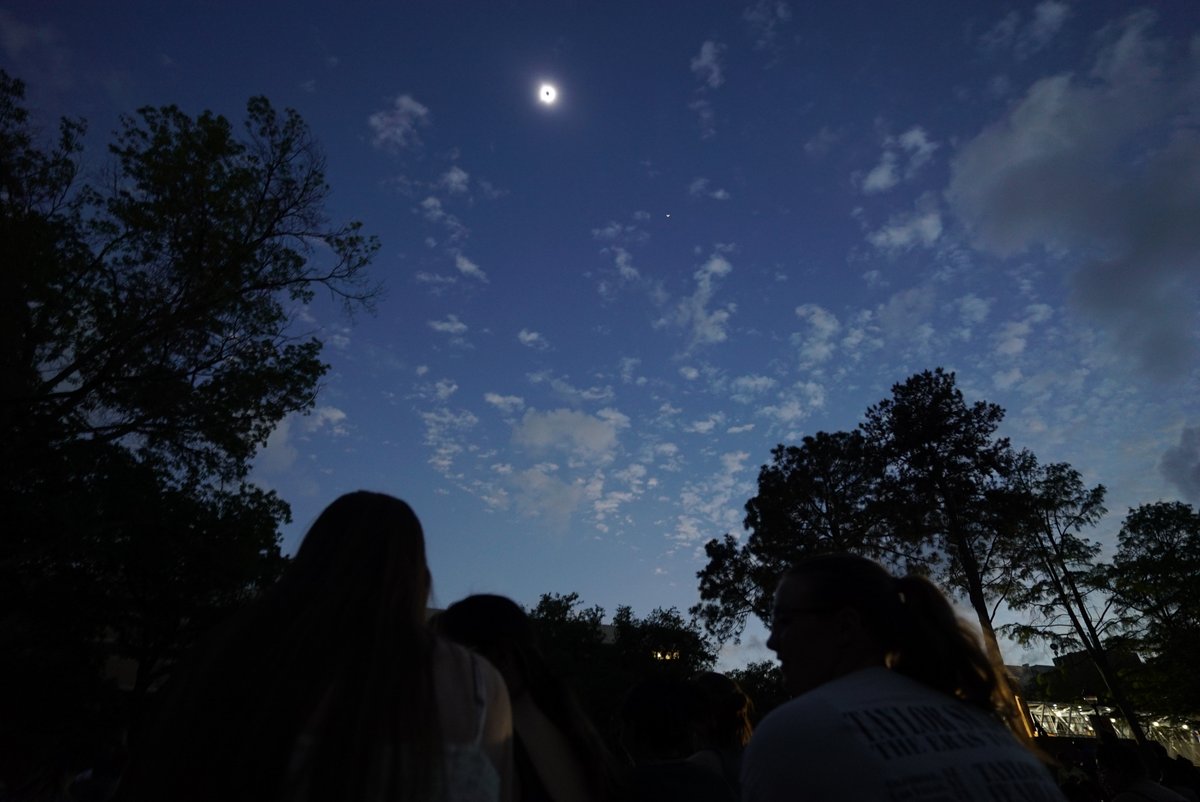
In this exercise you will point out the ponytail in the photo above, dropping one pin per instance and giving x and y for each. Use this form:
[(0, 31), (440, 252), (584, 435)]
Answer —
[(918, 631), (930, 643)]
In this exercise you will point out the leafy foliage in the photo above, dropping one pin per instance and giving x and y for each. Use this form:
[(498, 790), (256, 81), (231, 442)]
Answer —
[(943, 481), (920, 485), (1153, 578), (148, 350)]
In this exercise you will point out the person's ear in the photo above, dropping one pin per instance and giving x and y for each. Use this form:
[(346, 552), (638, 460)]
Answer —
[(849, 627)]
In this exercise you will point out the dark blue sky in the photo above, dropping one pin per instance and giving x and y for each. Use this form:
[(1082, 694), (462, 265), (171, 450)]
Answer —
[(738, 225)]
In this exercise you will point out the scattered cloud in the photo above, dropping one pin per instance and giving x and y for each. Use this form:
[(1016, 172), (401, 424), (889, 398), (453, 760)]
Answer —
[(706, 425), (794, 405), (569, 392), (624, 233), (706, 116), (451, 325), (1180, 464), (455, 180), (902, 158), (922, 226), (704, 325), (712, 506), (532, 339), (541, 494), (396, 128), (588, 437), (818, 343), (445, 431), (507, 404), (699, 188), (1025, 40), (706, 65), (820, 143), (1105, 167), (469, 268), (765, 18), (747, 388)]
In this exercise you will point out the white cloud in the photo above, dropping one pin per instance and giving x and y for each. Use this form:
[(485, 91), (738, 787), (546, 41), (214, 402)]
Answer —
[(973, 310), (456, 180), (745, 427), (1102, 167), (444, 433), (820, 143), (1048, 19), (883, 176), (541, 494), (1004, 380), (903, 231), (569, 392), (627, 233), (765, 18), (588, 437), (705, 326), (747, 388), (1180, 464), (396, 128), (688, 372), (712, 506), (706, 65), (433, 211), (469, 268), (505, 403), (818, 344), (628, 367), (907, 315), (532, 339), (444, 388), (706, 116), (451, 325), (914, 145), (699, 189), (624, 264), (706, 425)]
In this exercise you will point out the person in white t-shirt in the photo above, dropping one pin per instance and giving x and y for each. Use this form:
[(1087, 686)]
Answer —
[(895, 698)]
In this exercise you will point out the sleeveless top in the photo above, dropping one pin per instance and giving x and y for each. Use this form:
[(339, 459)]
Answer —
[(470, 775)]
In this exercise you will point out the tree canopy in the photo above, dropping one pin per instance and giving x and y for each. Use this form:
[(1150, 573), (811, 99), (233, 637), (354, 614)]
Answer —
[(149, 345), (919, 485)]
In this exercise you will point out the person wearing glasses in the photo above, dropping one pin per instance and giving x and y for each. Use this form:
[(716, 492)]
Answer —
[(895, 698)]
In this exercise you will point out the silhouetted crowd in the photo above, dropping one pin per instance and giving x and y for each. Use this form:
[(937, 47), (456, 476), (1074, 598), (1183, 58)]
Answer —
[(334, 686)]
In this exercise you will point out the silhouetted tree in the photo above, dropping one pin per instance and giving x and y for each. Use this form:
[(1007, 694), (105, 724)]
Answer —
[(1154, 582), (1060, 582), (943, 486), (147, 350), (921, 485), (813, 498)]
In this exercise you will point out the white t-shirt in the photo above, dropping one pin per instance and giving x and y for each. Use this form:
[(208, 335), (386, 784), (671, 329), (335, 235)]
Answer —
[(876, 735)]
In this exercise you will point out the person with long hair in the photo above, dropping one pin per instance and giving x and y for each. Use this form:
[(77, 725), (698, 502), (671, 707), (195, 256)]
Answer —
[(559, 755), (330, 686), (895, 698)]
